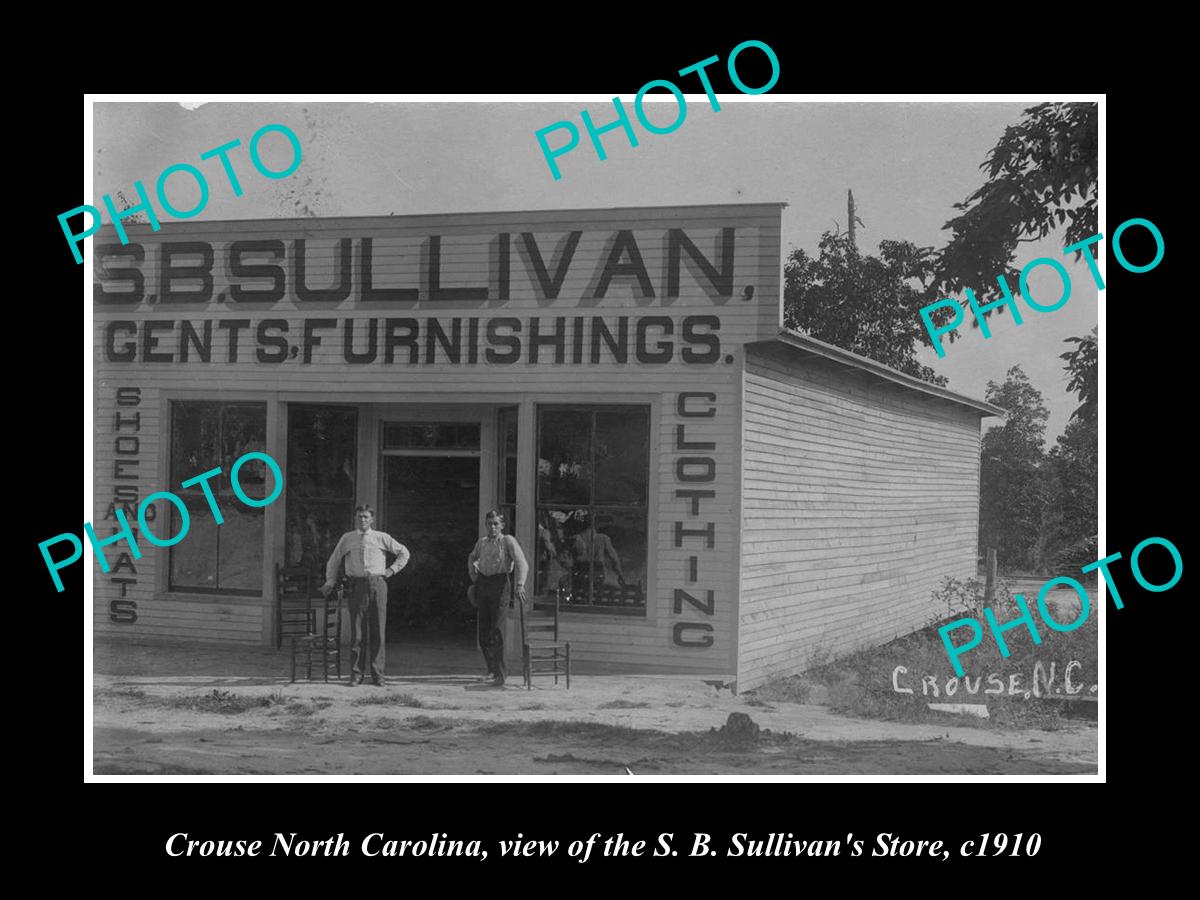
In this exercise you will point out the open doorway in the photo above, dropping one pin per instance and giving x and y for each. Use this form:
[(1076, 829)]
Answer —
[(430, 504)]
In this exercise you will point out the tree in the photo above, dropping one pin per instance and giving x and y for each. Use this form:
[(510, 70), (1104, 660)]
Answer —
[(1041, 175), (1012, 491), (865, 304), (1068, 539), (1082, 366), (1068, 533)]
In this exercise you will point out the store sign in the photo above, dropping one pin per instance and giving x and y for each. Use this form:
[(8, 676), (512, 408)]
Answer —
[(502, 340), (696, 475), (126, 457), (264, 272)]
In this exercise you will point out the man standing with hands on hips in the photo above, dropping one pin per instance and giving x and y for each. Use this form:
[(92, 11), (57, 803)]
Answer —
[(366, 567)]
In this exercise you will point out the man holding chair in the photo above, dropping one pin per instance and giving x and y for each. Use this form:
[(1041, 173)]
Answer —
[(494, 557)]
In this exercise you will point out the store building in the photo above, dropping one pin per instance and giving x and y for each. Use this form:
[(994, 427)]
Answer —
[(712, 494)]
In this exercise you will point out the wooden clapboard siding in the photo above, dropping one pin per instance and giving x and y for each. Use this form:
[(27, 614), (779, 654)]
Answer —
[(858, 497), (468, 249), (216, 620)]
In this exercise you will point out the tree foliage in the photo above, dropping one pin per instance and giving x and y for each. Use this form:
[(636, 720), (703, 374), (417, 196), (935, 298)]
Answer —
[(1012, 492), (866, 304), (1039, 509), (1068, 538), (1041, 175), (1083, 367), (1068, 532)]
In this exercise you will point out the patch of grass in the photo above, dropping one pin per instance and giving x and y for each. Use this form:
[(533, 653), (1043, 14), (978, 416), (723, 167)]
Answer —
[(389, 700), (221, 701), (861, 683), (739, 732), (306, 707), (794, 688), (624, 704)]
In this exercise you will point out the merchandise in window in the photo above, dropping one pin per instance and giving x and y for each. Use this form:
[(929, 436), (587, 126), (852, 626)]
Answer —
[(592, 488)]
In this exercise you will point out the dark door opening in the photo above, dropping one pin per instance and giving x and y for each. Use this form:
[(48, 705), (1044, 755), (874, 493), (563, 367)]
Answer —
[(431, 506)]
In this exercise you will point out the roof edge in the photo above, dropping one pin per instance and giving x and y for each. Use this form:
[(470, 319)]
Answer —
[(845, 357), (765, 205)]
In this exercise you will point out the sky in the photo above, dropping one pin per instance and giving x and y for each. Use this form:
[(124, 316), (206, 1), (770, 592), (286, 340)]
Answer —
[(907, 163)]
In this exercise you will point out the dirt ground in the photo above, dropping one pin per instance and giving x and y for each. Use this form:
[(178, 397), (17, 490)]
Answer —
[(173, 710)]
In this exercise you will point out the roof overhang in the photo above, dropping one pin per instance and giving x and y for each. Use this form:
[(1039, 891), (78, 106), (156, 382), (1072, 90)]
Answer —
[(814, 347)]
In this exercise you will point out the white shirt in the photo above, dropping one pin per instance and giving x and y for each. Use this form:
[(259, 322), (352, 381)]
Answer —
[(364, 551)]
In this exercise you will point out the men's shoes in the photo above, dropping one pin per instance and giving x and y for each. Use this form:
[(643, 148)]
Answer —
[(486, 678), (497, 681), (379, 682), (354, 680)]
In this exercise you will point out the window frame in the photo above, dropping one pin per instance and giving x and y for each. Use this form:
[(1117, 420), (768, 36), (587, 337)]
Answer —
[(506, 504), (645, 507)]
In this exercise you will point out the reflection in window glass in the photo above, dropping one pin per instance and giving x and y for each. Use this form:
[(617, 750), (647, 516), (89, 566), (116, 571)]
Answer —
[(619, 558), (195, 428), (194, 559), (565, 457), (507, 440), (430, 436), (593, 553), (622, 451), (207, 435), (244, 430), (322, 450)]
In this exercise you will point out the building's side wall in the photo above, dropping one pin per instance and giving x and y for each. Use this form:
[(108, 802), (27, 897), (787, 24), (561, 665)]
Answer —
[(859, 496)]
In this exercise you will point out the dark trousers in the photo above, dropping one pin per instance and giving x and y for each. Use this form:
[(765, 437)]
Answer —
[(489, 593), (368, 623)]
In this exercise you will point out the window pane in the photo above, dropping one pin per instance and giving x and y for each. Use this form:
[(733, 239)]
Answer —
[(553, 552), (244, 430), (240, 544), (430, 436), (508, 456), (564, 457), (591, 526), (574, 554), (195, 431), (313, 530), (619, 558), (322, 450), (194, 559), (207, 435), (622, 451)]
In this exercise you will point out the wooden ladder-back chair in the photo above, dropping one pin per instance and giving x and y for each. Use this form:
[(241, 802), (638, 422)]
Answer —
[(542, 653), (311, 622)]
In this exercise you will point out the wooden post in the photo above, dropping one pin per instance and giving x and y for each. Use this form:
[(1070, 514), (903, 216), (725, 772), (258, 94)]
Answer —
[(989, 583), (851, 218)]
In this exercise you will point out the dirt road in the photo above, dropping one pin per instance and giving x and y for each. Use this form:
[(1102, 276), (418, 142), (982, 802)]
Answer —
[(151, 719)]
